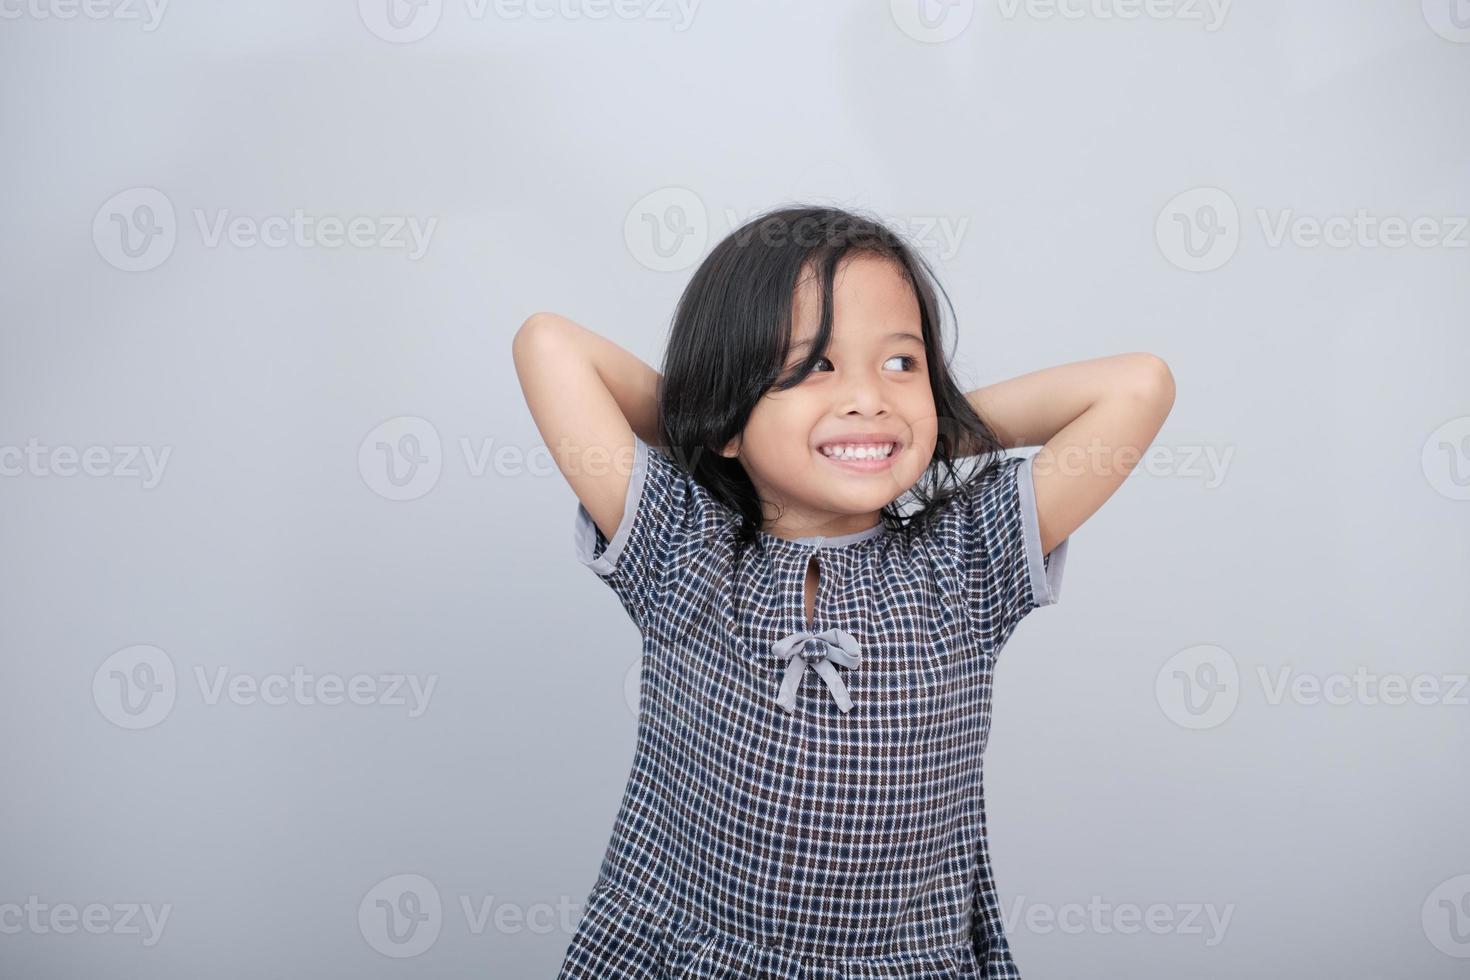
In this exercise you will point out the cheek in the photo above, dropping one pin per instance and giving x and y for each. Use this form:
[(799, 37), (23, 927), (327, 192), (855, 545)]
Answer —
[(788, 417), (923, 424), (774, 434), (764, 423), (924, 435)]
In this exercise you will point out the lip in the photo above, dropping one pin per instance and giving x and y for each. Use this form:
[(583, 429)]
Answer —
[(855, 437)]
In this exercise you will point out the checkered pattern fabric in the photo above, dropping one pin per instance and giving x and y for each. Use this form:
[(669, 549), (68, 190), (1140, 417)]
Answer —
[(755, 842)]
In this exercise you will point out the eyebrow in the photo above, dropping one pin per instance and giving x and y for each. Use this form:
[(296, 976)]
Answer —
[(896, 335)]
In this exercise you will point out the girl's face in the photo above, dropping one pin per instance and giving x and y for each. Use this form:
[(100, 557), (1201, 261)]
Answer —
[(871, 389)]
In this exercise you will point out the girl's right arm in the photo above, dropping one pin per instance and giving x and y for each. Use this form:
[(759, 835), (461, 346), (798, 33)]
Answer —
[(588, 397)]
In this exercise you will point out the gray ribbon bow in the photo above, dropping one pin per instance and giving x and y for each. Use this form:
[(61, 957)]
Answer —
[(820, 651)]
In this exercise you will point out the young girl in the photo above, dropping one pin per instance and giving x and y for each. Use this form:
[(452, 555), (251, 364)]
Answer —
[(806, 797)]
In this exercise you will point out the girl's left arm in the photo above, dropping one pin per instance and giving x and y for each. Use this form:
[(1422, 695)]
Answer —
[(1093, 420)]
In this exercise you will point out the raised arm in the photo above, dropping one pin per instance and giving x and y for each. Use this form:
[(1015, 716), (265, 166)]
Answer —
[(588, 397), (1093, 420)]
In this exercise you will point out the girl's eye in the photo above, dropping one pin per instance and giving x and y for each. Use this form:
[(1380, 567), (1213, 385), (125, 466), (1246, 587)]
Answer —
[(910, 363)]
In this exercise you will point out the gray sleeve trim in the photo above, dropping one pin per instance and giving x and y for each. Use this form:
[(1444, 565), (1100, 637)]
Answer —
[(1046, 577), (584, 530)]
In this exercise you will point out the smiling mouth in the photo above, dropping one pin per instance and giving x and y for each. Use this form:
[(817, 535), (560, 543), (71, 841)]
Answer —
[(859, 452), (869, 458)]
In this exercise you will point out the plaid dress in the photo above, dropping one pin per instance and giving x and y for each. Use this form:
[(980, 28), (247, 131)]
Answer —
[(806, 800)]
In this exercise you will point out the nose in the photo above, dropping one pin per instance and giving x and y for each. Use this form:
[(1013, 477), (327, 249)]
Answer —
[(862, 392)]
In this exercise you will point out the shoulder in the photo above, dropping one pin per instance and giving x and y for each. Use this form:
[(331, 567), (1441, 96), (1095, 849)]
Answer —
[(667, 512), (986, 495), (676, 493)]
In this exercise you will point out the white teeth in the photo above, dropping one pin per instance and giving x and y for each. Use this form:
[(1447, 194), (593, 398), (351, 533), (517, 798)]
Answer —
[(879, 451)]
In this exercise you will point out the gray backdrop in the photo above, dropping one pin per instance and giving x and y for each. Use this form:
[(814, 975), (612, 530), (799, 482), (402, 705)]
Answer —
[(301, 677)]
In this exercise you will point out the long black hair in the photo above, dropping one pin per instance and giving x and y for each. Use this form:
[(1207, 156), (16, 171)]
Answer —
[(731, 335)]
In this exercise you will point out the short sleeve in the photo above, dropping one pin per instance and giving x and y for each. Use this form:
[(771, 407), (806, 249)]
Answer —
[(1004, 572), (666, 512)]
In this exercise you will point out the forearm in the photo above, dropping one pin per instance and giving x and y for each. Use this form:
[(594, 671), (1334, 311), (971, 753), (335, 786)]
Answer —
[(632, 383), (1030, 409)]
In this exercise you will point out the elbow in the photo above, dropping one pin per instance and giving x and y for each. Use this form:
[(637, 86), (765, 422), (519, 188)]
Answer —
[(1155, 380), (535, 326), (534, 322), (540, 318)]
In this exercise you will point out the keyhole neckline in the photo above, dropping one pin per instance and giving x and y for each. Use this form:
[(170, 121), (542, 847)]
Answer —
[(824, 540)]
